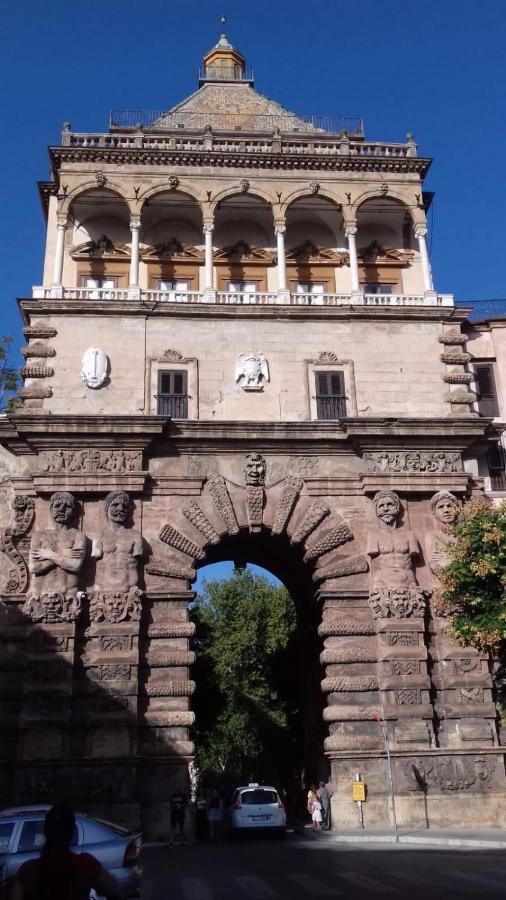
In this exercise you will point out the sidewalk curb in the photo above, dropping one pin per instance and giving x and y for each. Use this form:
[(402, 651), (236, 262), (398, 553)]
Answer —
[(422, 840)]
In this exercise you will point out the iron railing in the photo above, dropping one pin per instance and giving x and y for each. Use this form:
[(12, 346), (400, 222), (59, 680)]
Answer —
[(173, 405), (285, 122), (330, 407), (225, 72)]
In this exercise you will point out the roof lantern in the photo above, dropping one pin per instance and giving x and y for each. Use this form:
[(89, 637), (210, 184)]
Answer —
[(224, 63)]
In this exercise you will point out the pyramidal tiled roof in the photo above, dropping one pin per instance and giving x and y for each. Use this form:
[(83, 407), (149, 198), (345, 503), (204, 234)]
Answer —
[(229, 106)]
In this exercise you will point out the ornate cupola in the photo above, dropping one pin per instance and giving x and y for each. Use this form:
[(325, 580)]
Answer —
[(224, 63)]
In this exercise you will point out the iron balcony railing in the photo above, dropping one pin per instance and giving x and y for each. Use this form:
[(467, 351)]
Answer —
[(225, 72), (330, 407), (285, 122), (173, 405)]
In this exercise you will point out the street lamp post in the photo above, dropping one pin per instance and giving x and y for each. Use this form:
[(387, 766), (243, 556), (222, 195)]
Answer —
[(383, 725)]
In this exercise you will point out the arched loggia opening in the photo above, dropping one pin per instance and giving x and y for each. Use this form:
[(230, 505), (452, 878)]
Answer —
[(293, 753)]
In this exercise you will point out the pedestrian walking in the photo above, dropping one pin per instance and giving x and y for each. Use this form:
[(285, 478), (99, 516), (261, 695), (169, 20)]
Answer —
[(316, 815), (178, 804), (324, 798), (311, 799), (201, 823), (214, 815), (59, 874)]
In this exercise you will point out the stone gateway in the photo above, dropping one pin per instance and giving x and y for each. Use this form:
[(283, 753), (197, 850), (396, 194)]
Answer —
[(278, 381)]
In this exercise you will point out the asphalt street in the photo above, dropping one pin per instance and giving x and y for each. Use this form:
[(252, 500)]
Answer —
[(300, 868)]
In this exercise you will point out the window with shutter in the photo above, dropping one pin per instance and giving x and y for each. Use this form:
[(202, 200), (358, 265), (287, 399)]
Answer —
[(485, 385), (172, 397), (330, 397)]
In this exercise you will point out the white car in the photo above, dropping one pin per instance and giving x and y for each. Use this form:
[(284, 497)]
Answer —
[(256, 806)]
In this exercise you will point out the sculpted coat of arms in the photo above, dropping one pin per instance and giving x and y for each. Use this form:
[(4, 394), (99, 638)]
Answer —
[(253, 368)]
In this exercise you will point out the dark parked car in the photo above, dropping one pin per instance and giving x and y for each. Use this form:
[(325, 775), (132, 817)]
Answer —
[(117, 848)]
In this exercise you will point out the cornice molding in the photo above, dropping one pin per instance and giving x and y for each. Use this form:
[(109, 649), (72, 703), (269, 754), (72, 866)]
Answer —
[(285, 160)]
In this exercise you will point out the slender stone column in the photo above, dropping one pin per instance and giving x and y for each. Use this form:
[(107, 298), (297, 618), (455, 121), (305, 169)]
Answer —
[(208, 257), (59, 252), (280, 238), (350, 232), (420, 234), (135, 227)]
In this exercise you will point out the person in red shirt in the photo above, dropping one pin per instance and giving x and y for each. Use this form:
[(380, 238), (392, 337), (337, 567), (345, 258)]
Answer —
[(59, 874)]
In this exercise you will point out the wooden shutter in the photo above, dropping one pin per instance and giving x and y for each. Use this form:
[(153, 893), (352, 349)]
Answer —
[(487, 396), (330, 399), (173, 394)]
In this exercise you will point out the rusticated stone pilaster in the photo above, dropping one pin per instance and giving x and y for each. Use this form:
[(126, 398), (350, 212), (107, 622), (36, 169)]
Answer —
[(223, 503)]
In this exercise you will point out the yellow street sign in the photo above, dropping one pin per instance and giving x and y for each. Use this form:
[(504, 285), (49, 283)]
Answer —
[(358, 790)]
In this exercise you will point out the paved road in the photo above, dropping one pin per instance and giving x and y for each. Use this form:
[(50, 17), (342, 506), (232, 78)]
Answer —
[(299, 869)]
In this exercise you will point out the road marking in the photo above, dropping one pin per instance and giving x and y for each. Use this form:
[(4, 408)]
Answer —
[(313, 886), (254, 887), (371, 884), (195, 889)]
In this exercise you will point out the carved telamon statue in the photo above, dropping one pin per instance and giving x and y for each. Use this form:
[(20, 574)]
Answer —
[(445, 509), (392, 547), (118, 548), (57, 554), (255, 470)]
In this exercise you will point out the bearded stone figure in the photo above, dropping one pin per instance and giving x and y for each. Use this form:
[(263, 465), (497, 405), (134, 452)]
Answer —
[(445, 509), (394, 590), (255, 470), (55, 559), (117, 548)]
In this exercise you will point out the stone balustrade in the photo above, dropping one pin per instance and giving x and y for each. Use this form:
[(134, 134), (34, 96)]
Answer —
[(256, 298)]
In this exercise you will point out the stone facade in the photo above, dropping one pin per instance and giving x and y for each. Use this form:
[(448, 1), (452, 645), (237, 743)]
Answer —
[(109, 502)]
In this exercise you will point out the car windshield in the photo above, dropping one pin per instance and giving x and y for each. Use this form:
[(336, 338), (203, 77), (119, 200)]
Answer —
[(258, 797)]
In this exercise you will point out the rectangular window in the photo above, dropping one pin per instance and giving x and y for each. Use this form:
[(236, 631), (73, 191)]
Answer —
[(5, 834), (173, 286), (172, 397), (374, 287), (100, 287), (330, 396), (486, 390), (311, 287)]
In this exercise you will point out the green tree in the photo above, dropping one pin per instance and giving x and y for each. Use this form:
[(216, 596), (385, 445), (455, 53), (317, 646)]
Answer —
[(244, 626), (473, 585), (8, 375)]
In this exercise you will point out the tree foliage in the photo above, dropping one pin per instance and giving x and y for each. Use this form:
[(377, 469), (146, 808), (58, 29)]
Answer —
[(473, 585), (244, 625), (8, 374)]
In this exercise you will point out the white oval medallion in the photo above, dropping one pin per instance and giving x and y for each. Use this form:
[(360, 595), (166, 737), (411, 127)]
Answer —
[(94, 367)]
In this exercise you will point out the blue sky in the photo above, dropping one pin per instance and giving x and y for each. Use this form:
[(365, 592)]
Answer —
[(437, 69)]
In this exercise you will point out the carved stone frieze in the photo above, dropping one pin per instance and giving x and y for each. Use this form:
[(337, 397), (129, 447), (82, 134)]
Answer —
[(174, 538), (457, 377), (349, 683), (339, 712), (160, 658), (37, 350), (455, 357), (469, 695), (290, 491), (405, 667), (90, 460), (172, 355), (255, 507), (331, 539), (36, 372), (111, 672), (312, 518), (452, 773), (170, 688), (399, 603), (408, 696), (115, 606), (345, 625), (350, 565), (52, 607), (401, 638), (452, 337), (34, 392), (172, 630), (328, 356), (219, 493), (14, 576), (39, 331), (108, 643), (353, 742), (199, 520), (303, 466), (170, 570), (170, 717), (413, 461), (351, 654)]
